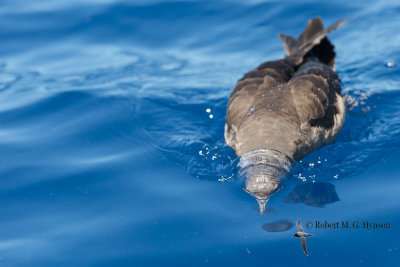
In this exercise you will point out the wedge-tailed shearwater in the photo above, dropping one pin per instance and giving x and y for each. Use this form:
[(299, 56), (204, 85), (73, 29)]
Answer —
[(300, 234), (284, 109)]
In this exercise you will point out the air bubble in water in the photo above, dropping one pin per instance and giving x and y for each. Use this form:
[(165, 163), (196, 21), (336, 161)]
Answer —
[(390, 64), (251, 110)]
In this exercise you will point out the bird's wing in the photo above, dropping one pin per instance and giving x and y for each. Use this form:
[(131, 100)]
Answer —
[(259, 81), (303, 245), (299, 226)]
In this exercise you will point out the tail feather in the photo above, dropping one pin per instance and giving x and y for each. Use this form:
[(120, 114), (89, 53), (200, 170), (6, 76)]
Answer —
[(313, 26), (312, 41), (290, 44)]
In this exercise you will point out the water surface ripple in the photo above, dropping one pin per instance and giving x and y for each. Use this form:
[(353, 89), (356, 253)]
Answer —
[(111, 135)]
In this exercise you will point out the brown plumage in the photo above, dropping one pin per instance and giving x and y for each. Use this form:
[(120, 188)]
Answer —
[(293, 105)]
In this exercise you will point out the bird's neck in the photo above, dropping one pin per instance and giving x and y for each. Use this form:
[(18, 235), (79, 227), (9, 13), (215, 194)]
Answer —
[(265, 158)]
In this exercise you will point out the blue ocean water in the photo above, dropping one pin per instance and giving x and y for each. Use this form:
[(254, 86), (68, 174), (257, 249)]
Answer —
[(111, 136)]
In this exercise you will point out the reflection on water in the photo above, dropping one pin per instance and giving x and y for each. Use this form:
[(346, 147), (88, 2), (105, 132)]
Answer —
[(278, 226), (313, 194)]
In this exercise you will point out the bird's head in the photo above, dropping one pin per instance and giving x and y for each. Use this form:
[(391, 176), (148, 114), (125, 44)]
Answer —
[(263, 171), (262, 187)]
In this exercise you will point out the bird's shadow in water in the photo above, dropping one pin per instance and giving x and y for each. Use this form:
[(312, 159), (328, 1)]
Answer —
[(313, 194), (278, 226)]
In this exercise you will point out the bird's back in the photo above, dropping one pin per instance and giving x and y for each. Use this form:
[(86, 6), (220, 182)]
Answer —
[(293, 105)]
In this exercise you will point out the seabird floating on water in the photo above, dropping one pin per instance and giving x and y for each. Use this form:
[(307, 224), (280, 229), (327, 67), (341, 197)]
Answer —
[(284, 109)]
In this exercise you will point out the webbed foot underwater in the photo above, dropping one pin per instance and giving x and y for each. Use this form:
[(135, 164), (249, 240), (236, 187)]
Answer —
[(284, 109)]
